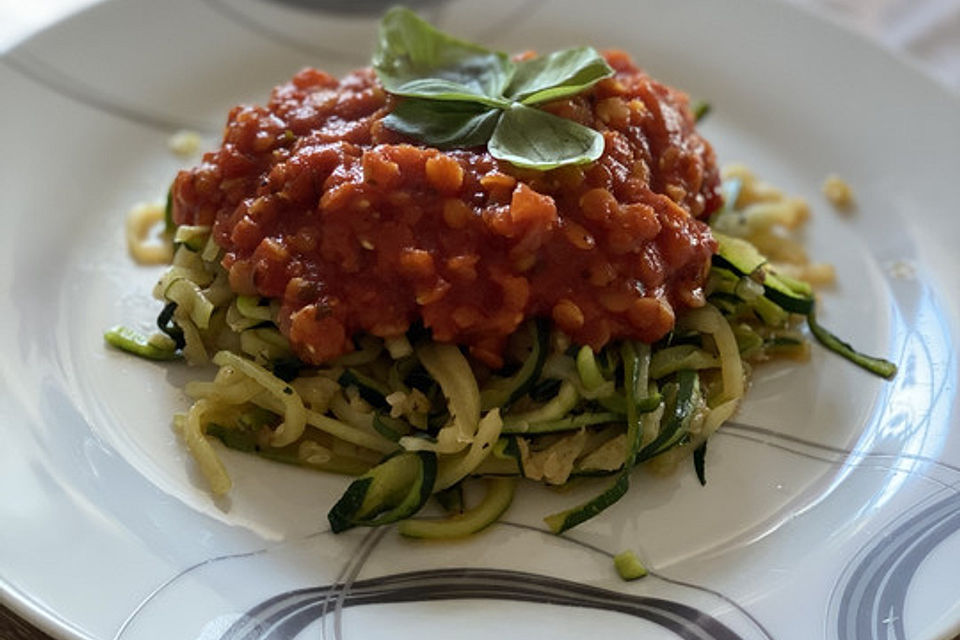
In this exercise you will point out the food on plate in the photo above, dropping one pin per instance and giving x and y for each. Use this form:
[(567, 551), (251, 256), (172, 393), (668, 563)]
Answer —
[(143, 248), (629, 566), (185, 143), (838, 192), (458, 265)]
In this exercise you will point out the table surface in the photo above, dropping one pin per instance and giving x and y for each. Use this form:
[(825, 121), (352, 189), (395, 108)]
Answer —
[(928, 31)]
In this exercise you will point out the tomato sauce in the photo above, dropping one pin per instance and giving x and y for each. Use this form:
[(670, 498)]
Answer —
[(358, 229)]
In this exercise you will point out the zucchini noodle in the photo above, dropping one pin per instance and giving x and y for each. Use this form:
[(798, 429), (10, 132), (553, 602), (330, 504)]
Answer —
[(349, 434), (709, 321), (191, 301), (358, 418), (233, 393), (207, 459), (294, 413), (193, 349), (718, 415), (141, 220), (453, 470), (452, 371), (559, 406)]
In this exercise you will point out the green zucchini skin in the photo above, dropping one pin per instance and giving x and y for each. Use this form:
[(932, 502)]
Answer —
[(246, 440), (169, 226), (743, 259), (557, 408), (498, 498), (877, 366), (680, 412), (370, 390), (699, 463), (451, 499), (131, 341), (390, 428), (560, 522), (168, 325), (589, 369), (237, 439), (628, 566), (566, 423), (616, 403), (399, 496), (564, 520), (341, 515), (506, 391), (685, 356)]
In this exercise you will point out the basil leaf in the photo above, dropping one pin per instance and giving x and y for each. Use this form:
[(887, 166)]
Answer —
[(535, 139), (444, 90), (558, 75), (443, 124), (700, 109), (411, 53)]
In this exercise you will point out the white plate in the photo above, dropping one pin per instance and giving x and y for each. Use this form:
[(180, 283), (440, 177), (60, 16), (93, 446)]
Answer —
[(832, 507)]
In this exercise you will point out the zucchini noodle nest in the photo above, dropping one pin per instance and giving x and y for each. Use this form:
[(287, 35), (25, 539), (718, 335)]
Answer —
[(412, 418)]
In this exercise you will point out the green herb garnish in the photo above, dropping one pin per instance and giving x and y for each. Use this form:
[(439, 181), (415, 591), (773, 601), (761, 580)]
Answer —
[(528, 137), (460, 94), (169, 226), (444, 124), (700, 109)]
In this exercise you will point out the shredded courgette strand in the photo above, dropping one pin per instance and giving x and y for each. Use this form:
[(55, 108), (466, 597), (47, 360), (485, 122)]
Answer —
[(566, 423), (876, 366), (194, 351), (207, 459), (453, 469), (699, 462), (564, 520), (496, 501), (131, 341), (345, 412), (349, 434), (708, 319), (718, 415), (294, 413), (250, 307), (502, 392), (230, 393), (138, 225), (452, 372), (558, 407), (393, 490), (191, 300), (683, 356), (589, 370)]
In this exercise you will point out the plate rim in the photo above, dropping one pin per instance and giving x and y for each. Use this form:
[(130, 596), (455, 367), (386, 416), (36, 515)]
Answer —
[(47, 620)]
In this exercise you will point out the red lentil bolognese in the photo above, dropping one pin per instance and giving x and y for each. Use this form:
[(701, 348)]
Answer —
[(458, 265), (356, 228)]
